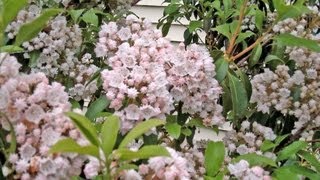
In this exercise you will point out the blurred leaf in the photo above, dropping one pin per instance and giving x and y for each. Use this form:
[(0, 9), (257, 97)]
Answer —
[(291, 40), (85, 126), (30, 30), (194, 25), (255, 56), (139, 130), (165, 29), (97, 106), (222, 67), (174, 129), (214, 157), (186, 131), (69, 145), (143, 153), (75, 14), (259, 17), (290, 150), (11, 49), (109, 133), (33, 61), (289, 11), (90, 17), (10, 9), (311, 159), (267, 145), (295, 93), (242, 36), (256, 160), (238, 95), (298, 170)]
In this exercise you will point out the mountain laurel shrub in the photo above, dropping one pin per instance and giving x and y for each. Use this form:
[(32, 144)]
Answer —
[(88, 90)]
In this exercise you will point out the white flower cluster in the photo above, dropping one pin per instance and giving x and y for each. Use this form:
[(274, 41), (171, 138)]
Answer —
[(178, 166), (246, 141), (297, 94), (148, 74), (242, 170), (36, 110), (191, 76)]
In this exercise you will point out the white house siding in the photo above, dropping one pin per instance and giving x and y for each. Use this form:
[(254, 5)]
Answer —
[(153, 10)]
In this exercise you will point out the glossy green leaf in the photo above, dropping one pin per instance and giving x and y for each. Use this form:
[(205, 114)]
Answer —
[(312, 160), (257, 160), (174, 129), (31, 29), (96, 107), (139, 130), (85, 126), (90, 17), (238, 95), (291, 40), (143, 153), (69, 145), (214, 157), (290, 150), (222, 67), (109, 133)]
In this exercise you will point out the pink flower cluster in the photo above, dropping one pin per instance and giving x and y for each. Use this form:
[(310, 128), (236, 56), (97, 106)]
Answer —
[(169, 168), (36, 110), (149, 75), (241, 170), (191, 75)]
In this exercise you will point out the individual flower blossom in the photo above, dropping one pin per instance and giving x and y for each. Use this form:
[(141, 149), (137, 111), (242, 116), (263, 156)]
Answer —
[(241, 170), (39, 123)]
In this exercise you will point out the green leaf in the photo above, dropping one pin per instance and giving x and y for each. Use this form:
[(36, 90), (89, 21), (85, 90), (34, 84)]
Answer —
[(31, 29), (311, 159), (273, 61), (90, 18), (222, 67), (259, 17), (291, 40), (238, 95), (297, 170), (69, 145), (33, 61), (139, 130), (290, 150), (174, 129), (109, 133), (186, 131), (289, 11), (285, 173), (214, 157), (242, 36), (165, 29), (143, 153), (75, 14), (266, 145), (11, 49), (96, 107), (256, 160), (85, 126), (255, 56), (194, 25), (10, 9), (223, 29)]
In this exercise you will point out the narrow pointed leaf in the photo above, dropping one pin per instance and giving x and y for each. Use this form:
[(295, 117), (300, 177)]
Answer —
[(69, 145), (109, 133), (139, 130), (143, 153), (85, 126), (214, 157)]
